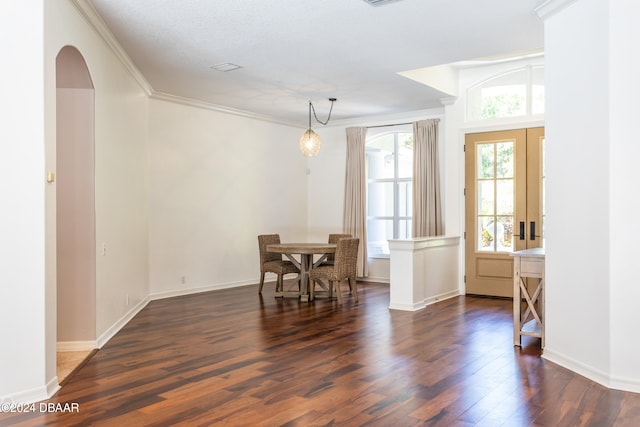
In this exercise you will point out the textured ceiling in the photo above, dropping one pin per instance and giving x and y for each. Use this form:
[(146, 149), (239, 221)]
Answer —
[(292, 51)]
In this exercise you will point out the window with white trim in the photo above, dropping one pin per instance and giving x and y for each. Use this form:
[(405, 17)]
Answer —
[(389, 169), (515, 93)]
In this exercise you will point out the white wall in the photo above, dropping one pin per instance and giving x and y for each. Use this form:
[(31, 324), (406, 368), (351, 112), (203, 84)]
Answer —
[(75, 225), (121, 165), (592, 91), (326, 175), (23, 367), (217, 181), (27, 371), (577, 227), (624, 90)]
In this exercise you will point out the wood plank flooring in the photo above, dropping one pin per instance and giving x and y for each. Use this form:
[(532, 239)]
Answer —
[(235, 358)]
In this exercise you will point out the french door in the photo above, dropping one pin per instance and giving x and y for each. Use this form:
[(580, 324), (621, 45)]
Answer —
[(504, 193)]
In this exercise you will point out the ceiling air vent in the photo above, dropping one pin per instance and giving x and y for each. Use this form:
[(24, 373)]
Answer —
[(379, 2), (224, 67)]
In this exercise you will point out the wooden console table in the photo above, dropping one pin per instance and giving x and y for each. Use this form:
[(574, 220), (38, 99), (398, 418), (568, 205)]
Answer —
[(528, 263)]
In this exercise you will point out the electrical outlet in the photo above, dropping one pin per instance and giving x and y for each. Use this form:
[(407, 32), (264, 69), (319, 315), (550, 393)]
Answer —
[(104, 249), (183, 279), (127, 299)]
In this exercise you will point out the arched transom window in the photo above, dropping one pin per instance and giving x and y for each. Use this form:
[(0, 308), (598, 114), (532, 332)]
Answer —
[(516, 93)]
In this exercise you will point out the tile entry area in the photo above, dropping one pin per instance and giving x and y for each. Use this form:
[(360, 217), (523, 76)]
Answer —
[(69, 361)]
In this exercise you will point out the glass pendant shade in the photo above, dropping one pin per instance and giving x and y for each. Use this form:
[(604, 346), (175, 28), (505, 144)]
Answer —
[(310, 143)]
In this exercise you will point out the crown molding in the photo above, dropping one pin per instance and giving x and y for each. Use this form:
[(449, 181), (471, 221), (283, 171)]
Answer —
[(90, 14), (552, 7), (219, 108), (93, 18)]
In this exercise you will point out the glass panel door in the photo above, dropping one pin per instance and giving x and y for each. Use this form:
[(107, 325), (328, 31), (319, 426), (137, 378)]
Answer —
[(496, 205), (495, 188)]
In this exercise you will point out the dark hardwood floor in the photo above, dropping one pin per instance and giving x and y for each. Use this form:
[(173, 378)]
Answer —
[(232, 357)]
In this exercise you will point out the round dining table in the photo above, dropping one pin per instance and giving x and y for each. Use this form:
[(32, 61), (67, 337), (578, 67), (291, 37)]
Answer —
[(306, 251)]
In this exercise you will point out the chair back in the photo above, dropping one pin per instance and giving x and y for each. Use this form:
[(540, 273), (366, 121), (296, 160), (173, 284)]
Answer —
[(263, 241), (346, 258), (334, 238)]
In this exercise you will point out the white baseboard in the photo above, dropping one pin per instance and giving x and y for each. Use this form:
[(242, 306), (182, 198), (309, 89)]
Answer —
[(625, 384), (189, 291), (52, 387), (425, 302), (617, 383), (115, 328), (374, 279), (34, 395), (444, 296), (578, 367), (407, 307)]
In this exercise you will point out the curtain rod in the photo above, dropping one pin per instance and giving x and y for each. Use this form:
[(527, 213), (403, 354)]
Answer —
[(386, 126), (394, 124)]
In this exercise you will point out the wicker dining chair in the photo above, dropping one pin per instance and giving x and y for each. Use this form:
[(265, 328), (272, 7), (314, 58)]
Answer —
[(344, 268), (333, 238), (271, 262)]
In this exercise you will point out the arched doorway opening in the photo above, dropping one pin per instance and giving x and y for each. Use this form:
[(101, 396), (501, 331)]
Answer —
[(75, 212)]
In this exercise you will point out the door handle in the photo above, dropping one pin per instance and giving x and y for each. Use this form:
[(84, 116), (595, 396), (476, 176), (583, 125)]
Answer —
[(532, 230), (522, 230)]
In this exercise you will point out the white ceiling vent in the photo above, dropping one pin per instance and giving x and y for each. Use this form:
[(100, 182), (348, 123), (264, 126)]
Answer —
[(224, 67), (379, 2)]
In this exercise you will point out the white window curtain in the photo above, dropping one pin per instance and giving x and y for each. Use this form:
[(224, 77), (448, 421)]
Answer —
[(354, 220), (427, 209)]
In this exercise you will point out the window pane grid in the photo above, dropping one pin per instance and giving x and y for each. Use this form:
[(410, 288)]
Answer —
[(495, 196), (389, 169)]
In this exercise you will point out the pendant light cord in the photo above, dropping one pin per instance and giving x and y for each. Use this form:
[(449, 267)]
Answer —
[(311, 107)]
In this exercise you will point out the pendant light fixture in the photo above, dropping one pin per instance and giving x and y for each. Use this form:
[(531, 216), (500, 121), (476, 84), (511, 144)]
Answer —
[(310, 141)]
